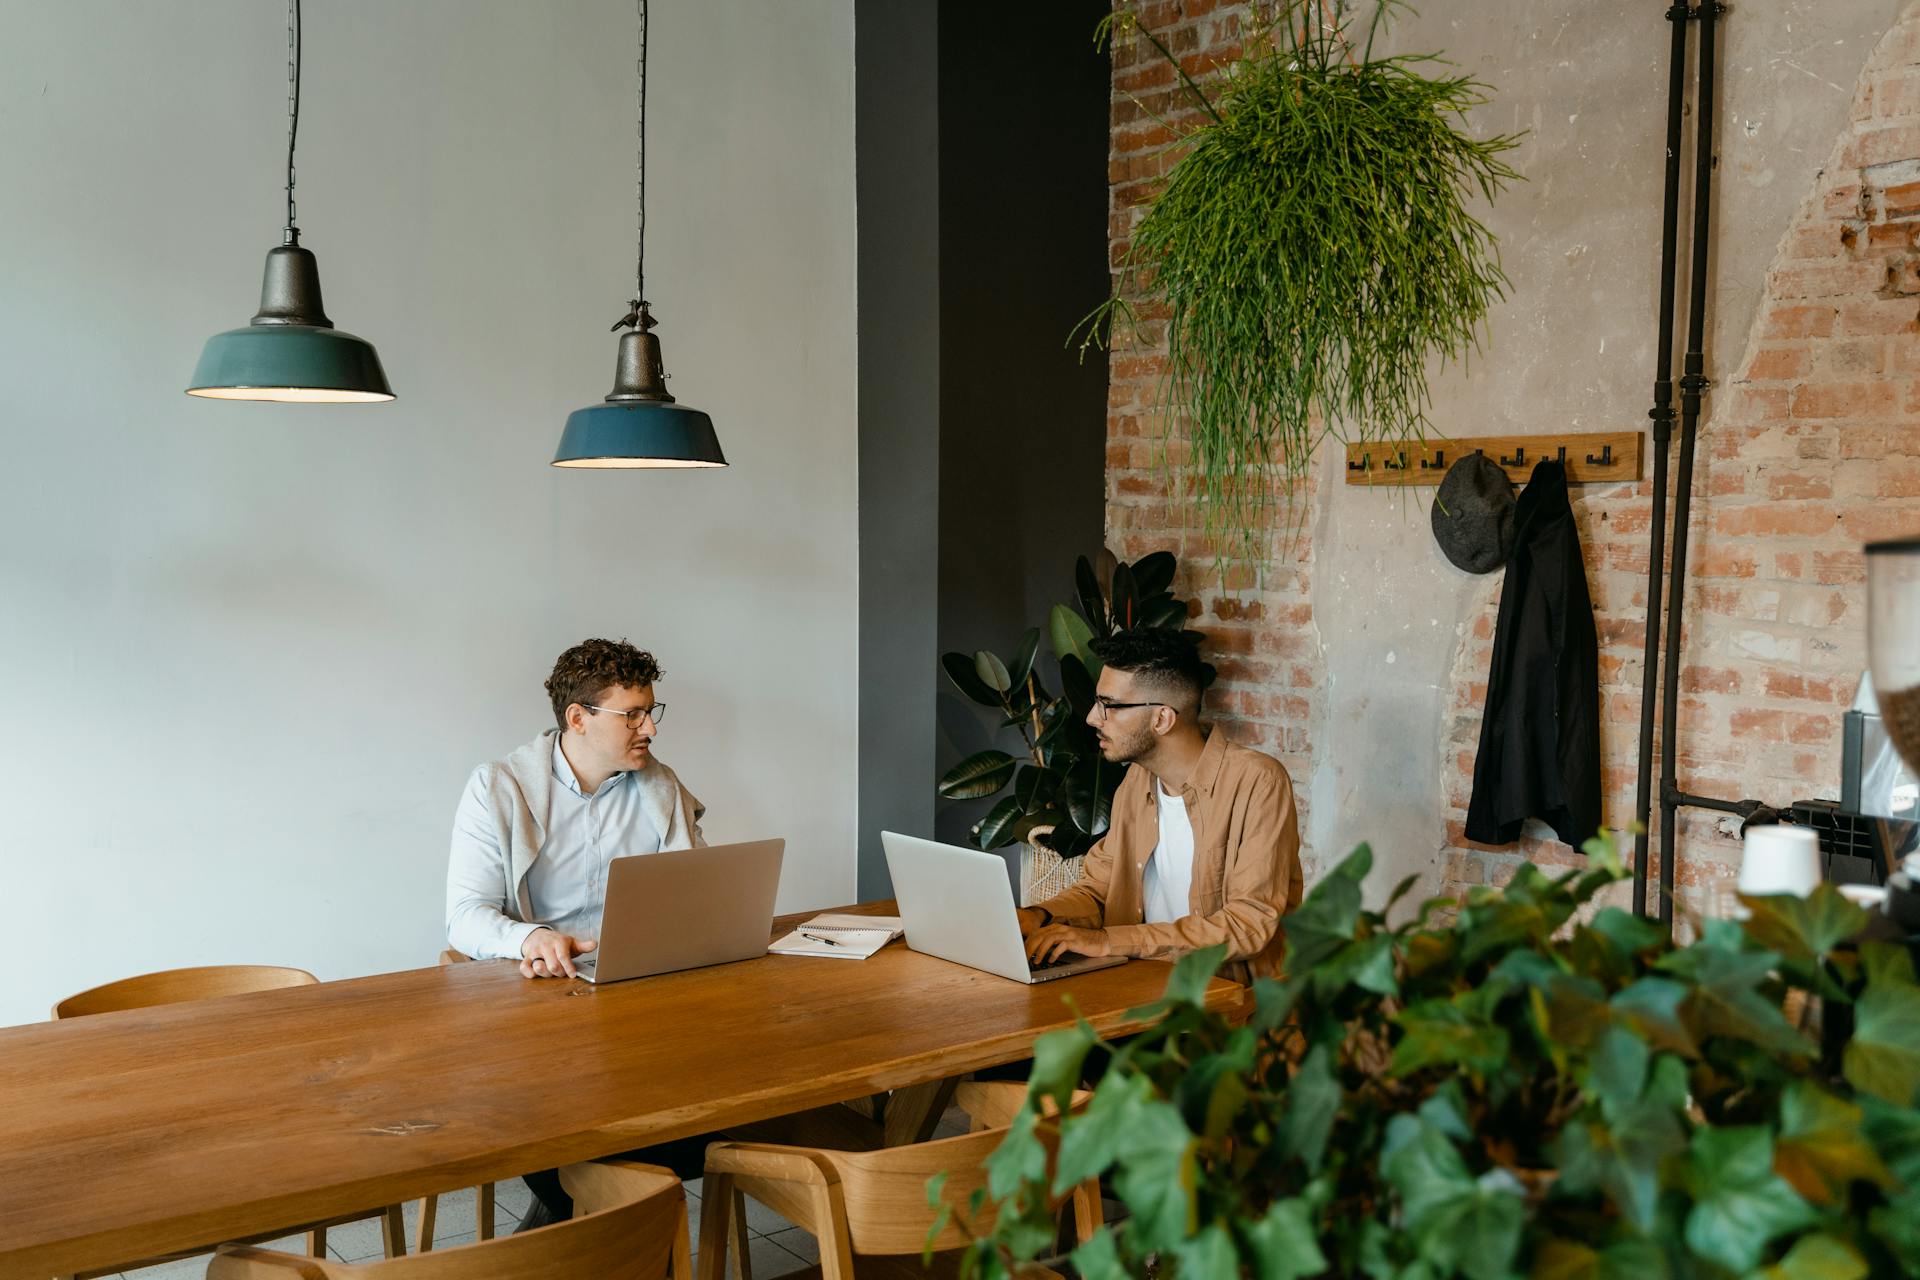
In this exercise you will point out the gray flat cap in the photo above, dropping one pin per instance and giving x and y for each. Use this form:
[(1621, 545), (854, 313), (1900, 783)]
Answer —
[(1473, 514)]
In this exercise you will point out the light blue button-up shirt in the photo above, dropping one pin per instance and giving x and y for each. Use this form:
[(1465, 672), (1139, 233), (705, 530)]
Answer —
[(567, 884)]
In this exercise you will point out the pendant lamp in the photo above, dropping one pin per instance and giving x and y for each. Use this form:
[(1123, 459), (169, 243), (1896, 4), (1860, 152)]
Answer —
[(639, 424), (290, 352)]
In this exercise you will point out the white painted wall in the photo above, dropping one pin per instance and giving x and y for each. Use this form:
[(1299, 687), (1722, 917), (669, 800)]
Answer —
[(248, 653)]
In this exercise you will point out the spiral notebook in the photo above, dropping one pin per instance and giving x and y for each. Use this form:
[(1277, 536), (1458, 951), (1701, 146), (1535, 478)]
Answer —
[(839, 936)]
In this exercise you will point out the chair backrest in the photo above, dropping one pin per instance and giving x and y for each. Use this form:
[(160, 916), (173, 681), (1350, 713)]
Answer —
[(632, 1240), (886, 1189), (993, 1104), (170, 986), (886, 1192)]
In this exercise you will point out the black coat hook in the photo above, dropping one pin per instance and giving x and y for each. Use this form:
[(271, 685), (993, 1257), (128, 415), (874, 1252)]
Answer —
[(1605, 459), (1362, 465), (1401, 465), (1439, 459), (1560, 455), (1519, 458)]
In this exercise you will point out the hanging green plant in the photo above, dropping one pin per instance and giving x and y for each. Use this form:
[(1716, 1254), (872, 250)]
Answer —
[(1311, 251)]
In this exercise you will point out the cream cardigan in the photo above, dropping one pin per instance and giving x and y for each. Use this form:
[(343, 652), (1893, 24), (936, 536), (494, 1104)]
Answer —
[(519, 790)]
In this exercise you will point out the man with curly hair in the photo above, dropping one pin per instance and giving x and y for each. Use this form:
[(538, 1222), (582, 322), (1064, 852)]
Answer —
[(527, 878), (534, 832)]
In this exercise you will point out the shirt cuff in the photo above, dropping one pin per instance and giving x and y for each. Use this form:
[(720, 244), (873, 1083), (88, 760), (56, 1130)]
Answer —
[(514, 937), (1130, 940)]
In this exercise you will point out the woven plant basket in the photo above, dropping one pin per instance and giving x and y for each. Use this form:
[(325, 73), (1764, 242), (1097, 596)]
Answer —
[(1044, 873)]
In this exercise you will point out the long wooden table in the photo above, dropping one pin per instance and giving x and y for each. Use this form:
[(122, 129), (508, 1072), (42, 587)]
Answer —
[(129, 1135)]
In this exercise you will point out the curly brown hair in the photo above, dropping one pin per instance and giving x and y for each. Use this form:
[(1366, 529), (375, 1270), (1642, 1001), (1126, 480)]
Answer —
[(585, 672)]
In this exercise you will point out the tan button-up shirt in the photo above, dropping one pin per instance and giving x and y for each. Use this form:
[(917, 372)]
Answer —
[(1246, 864)]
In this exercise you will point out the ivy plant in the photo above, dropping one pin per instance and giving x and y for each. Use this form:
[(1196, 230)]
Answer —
[(1532, 1088)]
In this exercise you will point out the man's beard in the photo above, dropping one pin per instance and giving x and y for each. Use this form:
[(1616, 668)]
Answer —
[(1127, 750)]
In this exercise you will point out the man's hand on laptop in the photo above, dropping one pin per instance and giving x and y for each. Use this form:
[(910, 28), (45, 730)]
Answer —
[(549, 954), (1052, 943)]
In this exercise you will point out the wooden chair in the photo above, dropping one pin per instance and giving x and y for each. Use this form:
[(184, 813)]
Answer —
[(870, 1203), (172, 986), (484, 1199), (631, 1225), (992, 1104)]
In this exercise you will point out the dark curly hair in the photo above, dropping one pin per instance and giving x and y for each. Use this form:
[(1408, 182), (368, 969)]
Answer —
[(1168, 660), (585, 672)]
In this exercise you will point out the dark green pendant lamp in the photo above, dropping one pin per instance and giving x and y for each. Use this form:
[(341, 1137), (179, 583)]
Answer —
[(290, 352), (639, 424)]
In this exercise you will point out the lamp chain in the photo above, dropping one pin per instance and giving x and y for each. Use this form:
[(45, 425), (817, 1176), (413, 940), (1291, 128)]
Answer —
[(292, 234), (640, 164)]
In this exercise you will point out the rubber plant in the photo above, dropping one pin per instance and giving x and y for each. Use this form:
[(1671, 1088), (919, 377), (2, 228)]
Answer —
[(1311, 252), (1062, 790), (1534, 1088)]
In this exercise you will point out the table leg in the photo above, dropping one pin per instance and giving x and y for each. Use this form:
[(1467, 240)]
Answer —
[(423, 1237), (913, 1113), (393, 1228)]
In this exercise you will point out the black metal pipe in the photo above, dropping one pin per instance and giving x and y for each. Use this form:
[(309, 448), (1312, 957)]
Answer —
[(1693, 382), (1744, 808), (1662, 415)]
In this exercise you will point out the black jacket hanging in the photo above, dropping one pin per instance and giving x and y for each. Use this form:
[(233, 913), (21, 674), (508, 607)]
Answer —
[(1540, 738)]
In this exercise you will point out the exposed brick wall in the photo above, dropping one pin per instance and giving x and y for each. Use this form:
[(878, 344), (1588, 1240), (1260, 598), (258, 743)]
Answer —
[(1810, 450), (1272, 688), (1814, 449)]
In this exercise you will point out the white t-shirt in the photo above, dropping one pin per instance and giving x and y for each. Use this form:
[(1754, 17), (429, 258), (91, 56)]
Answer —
[(1169, 879)]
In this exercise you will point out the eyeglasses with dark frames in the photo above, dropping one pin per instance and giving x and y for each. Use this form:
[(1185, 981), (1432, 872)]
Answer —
[(1104, 707), (656, 713)]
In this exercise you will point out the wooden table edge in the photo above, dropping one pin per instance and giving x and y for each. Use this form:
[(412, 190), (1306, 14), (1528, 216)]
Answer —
[(118, 1244)]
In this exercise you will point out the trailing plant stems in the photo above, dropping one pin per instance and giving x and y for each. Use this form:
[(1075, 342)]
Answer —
[(1308, 180), (1662, 415), (1206, 104)]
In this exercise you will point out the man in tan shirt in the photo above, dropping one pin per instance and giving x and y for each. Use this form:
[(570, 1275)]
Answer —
[(1203, 845)]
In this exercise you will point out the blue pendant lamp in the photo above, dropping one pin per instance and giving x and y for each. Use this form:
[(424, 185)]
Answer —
[(290, 352), (639, 424)]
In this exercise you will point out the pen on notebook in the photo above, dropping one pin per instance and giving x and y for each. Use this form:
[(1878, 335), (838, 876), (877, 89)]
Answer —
[(814, 937)]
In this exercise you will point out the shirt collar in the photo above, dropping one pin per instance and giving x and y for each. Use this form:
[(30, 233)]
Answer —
[(563, 770), (1213, 757)]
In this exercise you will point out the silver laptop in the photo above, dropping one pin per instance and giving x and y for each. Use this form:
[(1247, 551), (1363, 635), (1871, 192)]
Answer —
[(685, 908), (956, 904)]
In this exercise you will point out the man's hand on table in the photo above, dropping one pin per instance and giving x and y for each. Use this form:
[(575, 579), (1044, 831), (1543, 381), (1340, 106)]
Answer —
[(1052, 942), (547, 954)]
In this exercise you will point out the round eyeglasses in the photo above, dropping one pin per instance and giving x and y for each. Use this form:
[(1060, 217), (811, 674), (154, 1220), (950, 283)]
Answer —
[(656, 713)]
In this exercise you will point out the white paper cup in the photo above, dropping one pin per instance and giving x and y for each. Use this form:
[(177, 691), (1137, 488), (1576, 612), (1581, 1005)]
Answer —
[(1780, 859), (1871, 896)]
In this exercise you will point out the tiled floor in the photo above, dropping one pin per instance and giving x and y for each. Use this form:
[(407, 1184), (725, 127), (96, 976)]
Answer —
[(776, 1247)]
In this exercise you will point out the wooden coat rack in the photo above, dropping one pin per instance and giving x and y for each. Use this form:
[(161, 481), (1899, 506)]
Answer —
[(1597, 457)]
